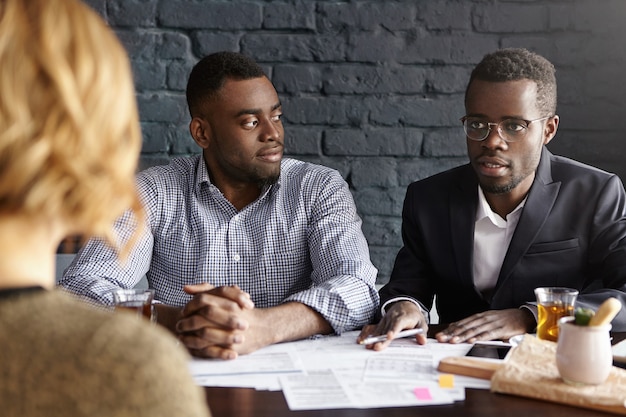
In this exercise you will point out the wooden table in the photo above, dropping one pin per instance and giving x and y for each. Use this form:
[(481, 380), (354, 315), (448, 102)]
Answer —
[(246, 402)]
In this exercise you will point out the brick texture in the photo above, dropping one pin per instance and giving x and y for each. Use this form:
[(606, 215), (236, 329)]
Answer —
[(374, 88)]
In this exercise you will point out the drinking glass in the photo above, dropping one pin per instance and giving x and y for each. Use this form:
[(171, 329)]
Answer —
[(553, 303), (138, 301)]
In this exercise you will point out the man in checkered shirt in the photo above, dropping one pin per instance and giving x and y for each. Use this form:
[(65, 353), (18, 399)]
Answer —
[(242, 247)]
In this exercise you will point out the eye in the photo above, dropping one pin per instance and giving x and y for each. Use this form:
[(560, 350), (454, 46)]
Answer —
[(514, 126), (250, 123), (277, 117), (476, 124)]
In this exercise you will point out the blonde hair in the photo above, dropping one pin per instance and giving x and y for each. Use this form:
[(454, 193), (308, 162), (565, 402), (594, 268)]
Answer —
[(69, 131)]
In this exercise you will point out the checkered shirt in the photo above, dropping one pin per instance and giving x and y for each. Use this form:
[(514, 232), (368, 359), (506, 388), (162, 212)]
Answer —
[(301, 240)]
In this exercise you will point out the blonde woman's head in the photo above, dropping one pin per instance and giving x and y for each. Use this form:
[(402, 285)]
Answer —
[(69, 133)]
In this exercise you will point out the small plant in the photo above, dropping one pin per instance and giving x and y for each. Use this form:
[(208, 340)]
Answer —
[(606, 312), (582, 316)]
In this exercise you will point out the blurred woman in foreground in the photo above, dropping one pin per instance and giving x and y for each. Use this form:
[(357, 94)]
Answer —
[(69, 143)]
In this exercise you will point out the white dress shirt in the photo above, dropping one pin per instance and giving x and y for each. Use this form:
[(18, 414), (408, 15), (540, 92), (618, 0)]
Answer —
[(492, 237)]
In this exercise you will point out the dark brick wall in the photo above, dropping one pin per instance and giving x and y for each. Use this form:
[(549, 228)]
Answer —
[(374, 88)]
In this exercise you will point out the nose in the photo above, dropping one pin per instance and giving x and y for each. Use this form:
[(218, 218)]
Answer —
[(272, 131), (494, 140)]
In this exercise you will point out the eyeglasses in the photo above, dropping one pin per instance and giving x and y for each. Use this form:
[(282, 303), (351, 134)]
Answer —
[(511, 130)]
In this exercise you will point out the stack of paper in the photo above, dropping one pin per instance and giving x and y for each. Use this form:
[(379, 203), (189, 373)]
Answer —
[(335, 372)]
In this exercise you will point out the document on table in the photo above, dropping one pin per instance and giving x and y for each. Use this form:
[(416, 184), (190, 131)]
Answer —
[(319, 390), (259, 369), (306, 370)]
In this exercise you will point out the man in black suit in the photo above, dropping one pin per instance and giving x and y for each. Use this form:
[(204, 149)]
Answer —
[(483, 236)]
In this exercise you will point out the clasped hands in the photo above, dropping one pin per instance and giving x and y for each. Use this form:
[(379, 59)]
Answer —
[(488, 325), (219, 322)]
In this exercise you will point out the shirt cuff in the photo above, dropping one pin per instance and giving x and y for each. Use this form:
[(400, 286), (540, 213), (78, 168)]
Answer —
[(424, 311), (533, 310)]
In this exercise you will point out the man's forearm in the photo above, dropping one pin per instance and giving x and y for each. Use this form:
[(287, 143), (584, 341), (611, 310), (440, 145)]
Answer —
[(291, 321)]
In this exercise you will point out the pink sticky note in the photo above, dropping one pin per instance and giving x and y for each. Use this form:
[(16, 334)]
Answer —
[(422, 394)]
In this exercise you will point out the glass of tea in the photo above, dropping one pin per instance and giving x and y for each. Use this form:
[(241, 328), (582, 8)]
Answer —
[(135, 300), (553, 303)]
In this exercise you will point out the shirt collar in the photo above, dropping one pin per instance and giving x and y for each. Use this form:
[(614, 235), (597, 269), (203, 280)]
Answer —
[(484, 210), (202, 174)]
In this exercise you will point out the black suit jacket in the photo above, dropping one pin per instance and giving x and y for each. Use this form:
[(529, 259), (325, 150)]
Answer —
[(571, 233)]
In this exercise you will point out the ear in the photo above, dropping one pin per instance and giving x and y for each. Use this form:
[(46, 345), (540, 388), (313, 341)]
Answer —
[(200, 131), (550, 129)]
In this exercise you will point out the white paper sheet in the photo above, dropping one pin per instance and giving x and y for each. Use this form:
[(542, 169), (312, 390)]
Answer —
[(336, 372), (324, 390), (259, 369)]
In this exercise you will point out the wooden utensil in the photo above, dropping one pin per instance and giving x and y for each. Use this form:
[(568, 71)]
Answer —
[(606, 312), (462, 365)]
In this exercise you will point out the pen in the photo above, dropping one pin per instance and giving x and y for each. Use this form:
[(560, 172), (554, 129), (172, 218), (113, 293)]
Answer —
[(382, 338)]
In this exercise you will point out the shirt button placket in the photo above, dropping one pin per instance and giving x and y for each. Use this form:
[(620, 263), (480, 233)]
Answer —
[(234, 226)]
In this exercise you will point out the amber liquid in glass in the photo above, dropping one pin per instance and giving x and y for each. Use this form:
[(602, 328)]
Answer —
[(136, 307), (548, 320)]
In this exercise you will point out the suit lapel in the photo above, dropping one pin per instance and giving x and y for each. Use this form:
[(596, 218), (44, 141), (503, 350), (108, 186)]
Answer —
[(463, 202), (541, 198)]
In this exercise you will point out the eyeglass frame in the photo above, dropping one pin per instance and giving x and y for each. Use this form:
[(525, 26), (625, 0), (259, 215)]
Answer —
[(498, 129)]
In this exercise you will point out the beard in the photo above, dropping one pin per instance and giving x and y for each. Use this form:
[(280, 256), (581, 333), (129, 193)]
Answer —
[(268, 181), (264, 177), (500, 188), (520, 170), (494, 188)]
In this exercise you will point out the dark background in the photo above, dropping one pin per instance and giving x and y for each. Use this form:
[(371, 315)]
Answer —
[(375, 88)]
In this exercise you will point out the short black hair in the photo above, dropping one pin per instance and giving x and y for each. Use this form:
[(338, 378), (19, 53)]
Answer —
[(513, 64), (209, 74)]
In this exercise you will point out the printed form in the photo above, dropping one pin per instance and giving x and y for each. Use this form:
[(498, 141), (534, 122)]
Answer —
[(327, 372)]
